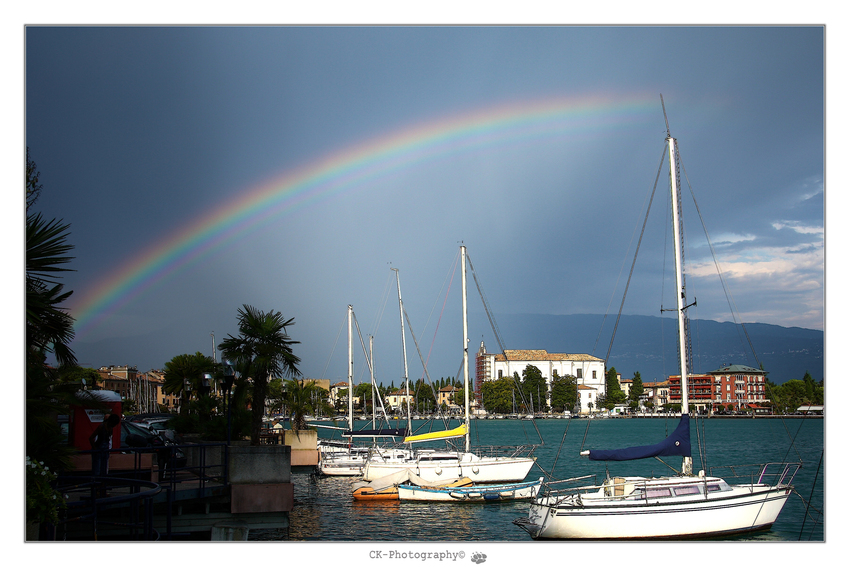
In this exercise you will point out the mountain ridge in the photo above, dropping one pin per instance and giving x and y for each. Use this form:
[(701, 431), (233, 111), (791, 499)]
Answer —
[(648, 344)]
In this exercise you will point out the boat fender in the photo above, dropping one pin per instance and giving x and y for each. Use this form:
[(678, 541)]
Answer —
[(474, 470), (439, 471)]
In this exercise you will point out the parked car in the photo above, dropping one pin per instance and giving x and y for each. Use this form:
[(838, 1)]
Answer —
[(139, 435), (136, 435)]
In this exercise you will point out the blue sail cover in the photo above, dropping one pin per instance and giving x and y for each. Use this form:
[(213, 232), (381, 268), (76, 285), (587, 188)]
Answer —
[(678, 443)]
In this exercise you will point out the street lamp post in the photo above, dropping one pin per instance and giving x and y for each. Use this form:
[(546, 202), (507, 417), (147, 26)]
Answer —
[(228, 384)]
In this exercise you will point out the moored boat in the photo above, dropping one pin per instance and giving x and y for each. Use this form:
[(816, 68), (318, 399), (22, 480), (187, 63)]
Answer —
[(485, 466), (471, 492), (346, 458), (387, 488), (686, 505)]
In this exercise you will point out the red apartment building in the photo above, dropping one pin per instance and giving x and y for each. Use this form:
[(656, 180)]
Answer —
[(733, 387)]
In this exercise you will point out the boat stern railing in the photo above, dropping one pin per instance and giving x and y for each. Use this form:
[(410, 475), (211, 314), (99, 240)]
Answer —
[(557, 491), (514, 451), (764, 474)]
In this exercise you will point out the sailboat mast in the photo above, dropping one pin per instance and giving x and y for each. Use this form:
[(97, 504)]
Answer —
[(680, 280), (403, 349), (465, 349), (687, 462), (372, 377), (350, 373)]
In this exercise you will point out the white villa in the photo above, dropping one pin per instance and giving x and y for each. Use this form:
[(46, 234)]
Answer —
[(588, 370)]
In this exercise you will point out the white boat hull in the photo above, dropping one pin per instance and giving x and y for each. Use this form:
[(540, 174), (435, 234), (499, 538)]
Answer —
[(479, 469), (350, 468), (743, 508), (335, 461), (481, 493)]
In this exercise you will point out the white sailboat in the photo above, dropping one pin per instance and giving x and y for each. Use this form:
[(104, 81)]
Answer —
[(681, 506), (433, 465), (348, 459)]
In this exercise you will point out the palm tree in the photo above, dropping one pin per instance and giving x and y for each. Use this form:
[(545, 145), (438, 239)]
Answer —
[(184, 374), (263, 350), (303, 398), (49, 328)]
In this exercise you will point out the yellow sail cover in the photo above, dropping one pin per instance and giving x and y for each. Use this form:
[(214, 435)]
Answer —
[(437, 435)]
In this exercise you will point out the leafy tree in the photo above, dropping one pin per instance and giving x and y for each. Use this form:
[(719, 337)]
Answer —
[(366, 393), (459, 397), (814, 392), (637, 388), (424, 397), (263, 350), (184, 375), (792, 394), (77, 374), (564, 393), (496, 395), (613, 393), (533, 387)]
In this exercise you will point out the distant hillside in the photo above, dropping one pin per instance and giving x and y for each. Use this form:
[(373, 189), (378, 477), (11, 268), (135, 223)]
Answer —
[(647, 344)]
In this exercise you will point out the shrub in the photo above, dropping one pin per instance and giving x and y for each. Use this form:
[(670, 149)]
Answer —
[(43, 500)]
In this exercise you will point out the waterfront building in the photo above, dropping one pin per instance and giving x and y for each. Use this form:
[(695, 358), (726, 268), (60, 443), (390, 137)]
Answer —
[(625, 385), (168, 401), (733, 387), (335, 395), (699, 391), (145, 389), (446, 396), (739, 387), (398, 400), (588, 371), (657, 393)]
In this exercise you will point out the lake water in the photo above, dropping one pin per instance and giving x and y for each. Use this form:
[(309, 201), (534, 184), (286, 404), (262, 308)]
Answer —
[(325, 511)]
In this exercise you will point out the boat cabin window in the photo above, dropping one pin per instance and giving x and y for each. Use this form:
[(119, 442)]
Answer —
[(657, 492), (685, 490)]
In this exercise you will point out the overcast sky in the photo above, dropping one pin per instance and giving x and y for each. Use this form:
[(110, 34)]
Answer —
[(290, 168)]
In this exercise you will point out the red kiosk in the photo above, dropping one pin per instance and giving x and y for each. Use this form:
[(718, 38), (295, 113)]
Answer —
[(85, 418)]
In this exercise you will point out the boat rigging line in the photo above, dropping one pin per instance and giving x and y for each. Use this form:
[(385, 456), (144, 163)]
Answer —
[(634, 261), (809, 501), (498, 335), (369, 365)]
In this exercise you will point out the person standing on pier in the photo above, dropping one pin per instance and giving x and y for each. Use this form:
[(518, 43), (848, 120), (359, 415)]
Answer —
[(101, 443)]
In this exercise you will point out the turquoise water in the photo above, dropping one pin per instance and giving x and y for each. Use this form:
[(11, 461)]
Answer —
[(325, 510)]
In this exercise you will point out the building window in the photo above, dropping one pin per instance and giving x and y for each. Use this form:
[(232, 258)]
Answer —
[(578, 373), (594, 374)]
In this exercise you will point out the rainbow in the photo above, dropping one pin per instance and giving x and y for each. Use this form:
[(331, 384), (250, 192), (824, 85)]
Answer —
[(346, 170)]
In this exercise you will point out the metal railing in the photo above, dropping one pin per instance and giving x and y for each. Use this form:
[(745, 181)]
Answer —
[(569, 491), (205, 465), (769, 474), (87, 503)]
